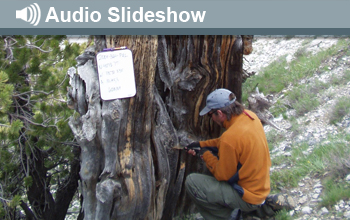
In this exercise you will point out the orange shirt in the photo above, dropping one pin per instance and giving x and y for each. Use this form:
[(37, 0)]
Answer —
[(244, 154)]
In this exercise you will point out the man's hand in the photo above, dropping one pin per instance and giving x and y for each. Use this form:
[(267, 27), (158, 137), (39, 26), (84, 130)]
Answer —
[(202, 151), (196, 150), (193, 148)]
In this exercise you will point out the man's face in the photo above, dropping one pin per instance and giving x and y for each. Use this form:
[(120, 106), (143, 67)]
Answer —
[(217, 116)]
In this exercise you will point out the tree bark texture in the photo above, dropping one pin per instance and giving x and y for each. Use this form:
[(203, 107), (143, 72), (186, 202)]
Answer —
[(129, 169)]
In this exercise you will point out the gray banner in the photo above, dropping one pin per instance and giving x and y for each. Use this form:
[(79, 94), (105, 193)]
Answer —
[(175, 17)]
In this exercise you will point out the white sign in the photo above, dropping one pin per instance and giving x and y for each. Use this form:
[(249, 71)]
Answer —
[(116, 74)]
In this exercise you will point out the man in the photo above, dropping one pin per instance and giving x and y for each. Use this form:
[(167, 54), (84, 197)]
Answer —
[(241, 178)]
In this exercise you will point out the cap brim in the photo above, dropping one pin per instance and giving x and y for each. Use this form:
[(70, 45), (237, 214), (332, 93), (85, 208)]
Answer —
[(204, 111)]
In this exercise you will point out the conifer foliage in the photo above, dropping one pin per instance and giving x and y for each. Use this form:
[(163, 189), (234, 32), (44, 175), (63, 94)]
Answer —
[(39, 158)]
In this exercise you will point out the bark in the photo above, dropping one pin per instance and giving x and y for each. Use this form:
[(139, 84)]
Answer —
[(129, 169)]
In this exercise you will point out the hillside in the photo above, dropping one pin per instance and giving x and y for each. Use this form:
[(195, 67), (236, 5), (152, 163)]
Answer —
[(310, 87)]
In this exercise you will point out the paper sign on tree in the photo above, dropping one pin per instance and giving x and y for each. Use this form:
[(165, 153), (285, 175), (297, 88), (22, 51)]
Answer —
[(116, 74)]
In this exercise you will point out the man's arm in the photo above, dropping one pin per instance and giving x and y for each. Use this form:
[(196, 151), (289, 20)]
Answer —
[(224, 167), (209, 143)]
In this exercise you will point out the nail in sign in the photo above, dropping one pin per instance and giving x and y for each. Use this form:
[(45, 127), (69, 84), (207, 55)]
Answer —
[(116, 74)]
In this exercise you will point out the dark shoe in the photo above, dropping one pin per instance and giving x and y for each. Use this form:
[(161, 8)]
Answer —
[(280, 201)]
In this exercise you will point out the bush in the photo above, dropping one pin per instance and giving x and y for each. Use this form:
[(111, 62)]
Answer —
[(341, 108)]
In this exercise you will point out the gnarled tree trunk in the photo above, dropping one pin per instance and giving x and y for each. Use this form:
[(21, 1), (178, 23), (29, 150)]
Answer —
[(129, 169)]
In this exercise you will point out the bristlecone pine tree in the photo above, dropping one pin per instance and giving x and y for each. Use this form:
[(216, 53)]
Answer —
[(38, 158), (129, 169)]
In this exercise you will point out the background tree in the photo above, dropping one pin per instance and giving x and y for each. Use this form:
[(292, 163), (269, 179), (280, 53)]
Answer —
[(39, 159), (129, 169)]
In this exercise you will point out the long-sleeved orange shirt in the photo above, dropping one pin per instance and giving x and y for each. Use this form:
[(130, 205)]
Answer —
[(243, 157)]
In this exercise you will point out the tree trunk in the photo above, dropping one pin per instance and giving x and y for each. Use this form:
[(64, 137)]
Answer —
[(129, 169)]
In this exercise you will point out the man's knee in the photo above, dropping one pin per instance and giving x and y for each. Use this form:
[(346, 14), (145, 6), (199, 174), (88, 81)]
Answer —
[(190, 181), (194, 186)]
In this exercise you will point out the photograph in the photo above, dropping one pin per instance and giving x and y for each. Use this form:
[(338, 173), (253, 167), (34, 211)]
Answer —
[(160, 111)]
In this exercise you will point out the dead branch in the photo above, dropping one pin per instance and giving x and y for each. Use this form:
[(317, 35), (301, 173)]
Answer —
[(259, 104)]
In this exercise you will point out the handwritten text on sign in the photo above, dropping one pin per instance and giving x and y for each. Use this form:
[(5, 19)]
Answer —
[(116, 74)]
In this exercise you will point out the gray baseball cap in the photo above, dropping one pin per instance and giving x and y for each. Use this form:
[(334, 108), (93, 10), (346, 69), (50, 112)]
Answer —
[(218, 99)]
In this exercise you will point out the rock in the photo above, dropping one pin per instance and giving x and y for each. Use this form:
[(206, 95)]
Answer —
[(315, 196), (288, 148), (318, 185), (347, 178), (347, 214), (198, 216), (288, 154), (289, 58), (303, 200), (291, 213), (312, 142), (318, 190), (324, 210), (306, 210)]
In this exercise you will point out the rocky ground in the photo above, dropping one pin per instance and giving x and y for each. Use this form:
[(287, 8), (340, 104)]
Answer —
[(315, 124)]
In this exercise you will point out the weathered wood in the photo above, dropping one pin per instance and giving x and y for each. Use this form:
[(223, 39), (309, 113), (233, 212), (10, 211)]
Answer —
[(164, 137), (129, 169), (260, 104), (86, 130), (134, 144), (247, 44), (192, 67)]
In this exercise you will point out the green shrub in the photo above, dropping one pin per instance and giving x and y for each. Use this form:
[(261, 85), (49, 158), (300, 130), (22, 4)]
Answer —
[(341, 108), (329, 157), (273, 138), (334, 192)]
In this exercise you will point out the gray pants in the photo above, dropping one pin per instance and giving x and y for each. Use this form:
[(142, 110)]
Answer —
[(217, 199)]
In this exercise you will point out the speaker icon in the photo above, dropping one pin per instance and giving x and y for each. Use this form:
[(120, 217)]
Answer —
[(34, 14)]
